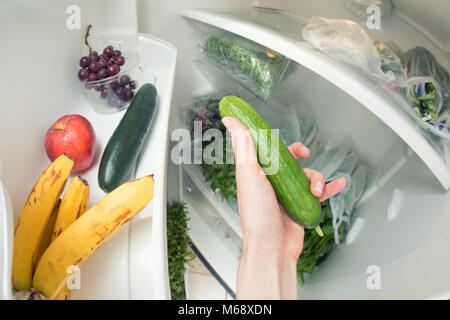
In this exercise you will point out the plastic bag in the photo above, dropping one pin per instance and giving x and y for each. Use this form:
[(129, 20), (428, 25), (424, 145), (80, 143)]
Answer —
[(255, 67), (346, 41), (329, 161), (424, 93), (337, 205), (307, 123), (316, 147), (419, 62), (285, 121), (352, 196), (390, 63), (429, 90), (205, 111)]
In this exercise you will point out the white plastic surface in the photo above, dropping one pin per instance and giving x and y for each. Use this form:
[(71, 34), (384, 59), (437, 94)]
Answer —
[(410, 251), (6, 241), (226, 212), (282, 33)]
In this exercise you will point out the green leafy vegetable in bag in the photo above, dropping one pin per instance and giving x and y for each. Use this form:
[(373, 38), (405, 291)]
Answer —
[(177, 248), (255, 67)]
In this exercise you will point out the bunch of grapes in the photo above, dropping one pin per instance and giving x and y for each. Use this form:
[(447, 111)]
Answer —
[(94, 67), (97, 67)]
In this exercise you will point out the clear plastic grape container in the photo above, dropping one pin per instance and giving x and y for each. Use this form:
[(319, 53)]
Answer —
[(116, 91)]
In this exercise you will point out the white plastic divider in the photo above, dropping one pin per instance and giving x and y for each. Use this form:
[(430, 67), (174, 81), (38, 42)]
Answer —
[(282, 33), (227, 213), (6, 244), (148, 267)]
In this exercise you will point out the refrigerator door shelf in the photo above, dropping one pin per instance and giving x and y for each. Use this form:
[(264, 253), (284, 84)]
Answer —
[(133, 263), (282, 33)]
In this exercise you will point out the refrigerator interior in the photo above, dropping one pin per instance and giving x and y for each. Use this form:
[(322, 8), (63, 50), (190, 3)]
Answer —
[(401, 221), (409, 170)]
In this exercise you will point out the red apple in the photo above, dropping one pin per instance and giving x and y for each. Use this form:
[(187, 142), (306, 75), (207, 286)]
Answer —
[(74, 136)]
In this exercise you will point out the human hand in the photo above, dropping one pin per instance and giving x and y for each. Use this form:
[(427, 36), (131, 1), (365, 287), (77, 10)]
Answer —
[(272, 240)]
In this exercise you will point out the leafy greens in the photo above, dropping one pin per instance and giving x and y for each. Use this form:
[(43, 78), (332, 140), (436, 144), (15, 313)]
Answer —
[(177, 248)]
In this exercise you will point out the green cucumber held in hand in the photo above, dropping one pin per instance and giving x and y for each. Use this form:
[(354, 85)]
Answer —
[(125, 144), (289, 182)]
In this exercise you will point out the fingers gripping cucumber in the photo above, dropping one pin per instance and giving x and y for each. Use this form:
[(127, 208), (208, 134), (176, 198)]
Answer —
[(290, 183), (127, 141)]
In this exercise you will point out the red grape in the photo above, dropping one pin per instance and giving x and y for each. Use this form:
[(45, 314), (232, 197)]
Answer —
[(92, 77), (119, 60), (93, 56), (113, 69), (124, 80), (116, 53), (104, 93), (83, 74), (99, 87), (84, 62), (108, 51), (103, 63), (102, 74), (128, 94), (119, 92), (94, 66)]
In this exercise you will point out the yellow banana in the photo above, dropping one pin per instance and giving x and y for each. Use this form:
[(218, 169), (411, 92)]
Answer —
[(75, 244), (33, 219), (73, 204), (45, 242), (64, 294)]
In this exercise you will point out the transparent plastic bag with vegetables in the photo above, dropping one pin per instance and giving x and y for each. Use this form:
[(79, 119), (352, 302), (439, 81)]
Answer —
[(428, 91), (329, 161), (337, 161), (204, 110), (255, 67), (342, 205), (347, 42)]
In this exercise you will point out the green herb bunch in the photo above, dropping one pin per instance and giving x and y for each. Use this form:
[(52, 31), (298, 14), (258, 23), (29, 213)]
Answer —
[(422, 97), (389, 61), (262, 67), (316, 248), (220, 176), (177, 248)]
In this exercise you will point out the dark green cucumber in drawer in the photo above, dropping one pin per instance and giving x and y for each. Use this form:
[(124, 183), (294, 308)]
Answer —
[(126, 143), (289, 182)]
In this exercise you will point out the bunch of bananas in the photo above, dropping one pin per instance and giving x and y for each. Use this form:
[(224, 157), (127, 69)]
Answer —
[(53, 234)]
